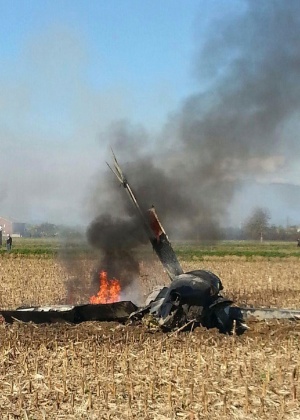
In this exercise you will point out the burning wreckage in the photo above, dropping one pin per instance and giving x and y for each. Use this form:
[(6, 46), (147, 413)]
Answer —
[(192, 299)]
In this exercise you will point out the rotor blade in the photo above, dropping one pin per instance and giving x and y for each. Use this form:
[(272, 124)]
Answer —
[(121, 177), (153, 227), (162, 246), (115, 173), (118, 169)]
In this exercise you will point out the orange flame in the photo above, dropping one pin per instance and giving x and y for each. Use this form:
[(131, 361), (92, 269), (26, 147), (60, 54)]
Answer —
[(109, 291)]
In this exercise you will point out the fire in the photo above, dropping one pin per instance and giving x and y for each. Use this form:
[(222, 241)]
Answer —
[(109, 291)]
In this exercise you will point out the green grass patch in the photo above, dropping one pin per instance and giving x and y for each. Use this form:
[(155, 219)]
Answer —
[(248, 249), (187, 250), (45, 246)]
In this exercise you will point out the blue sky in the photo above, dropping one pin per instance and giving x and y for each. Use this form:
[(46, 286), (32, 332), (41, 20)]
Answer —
[(142, 48), (69, 69)]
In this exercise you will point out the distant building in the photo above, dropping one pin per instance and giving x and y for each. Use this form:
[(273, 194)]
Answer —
[(12, 227)]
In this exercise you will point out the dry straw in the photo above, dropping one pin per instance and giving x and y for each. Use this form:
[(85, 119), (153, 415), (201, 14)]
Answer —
[(108, 371)]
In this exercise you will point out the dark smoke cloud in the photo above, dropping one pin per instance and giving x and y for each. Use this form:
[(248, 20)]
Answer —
[(116, 239), (235, 128)]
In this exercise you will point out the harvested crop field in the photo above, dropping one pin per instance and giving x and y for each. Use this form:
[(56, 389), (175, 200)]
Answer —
[(113, 371)]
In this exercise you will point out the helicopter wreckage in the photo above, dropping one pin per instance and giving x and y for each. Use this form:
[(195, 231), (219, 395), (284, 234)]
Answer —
[(193, 298)]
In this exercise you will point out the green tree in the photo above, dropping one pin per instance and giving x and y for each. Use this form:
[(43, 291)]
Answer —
[(42, 230), (257, 224)]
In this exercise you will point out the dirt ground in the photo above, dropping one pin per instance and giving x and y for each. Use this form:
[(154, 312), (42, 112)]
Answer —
[(112, 371)]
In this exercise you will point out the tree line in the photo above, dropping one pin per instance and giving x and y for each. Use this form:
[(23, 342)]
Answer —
[(51, 230), (258, 227)]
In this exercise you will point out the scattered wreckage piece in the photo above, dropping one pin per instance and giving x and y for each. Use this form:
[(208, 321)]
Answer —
[(262, 314), (118, 311), (193, 299)]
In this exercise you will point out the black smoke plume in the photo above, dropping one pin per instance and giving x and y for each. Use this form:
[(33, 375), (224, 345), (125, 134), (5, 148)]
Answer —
[(238, 126), (116, 239)]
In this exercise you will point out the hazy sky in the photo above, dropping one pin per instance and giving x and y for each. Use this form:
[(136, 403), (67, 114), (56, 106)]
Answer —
[(69, 70)]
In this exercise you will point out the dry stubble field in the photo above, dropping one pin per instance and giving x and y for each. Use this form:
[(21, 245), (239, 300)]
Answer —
[(111, 371)]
